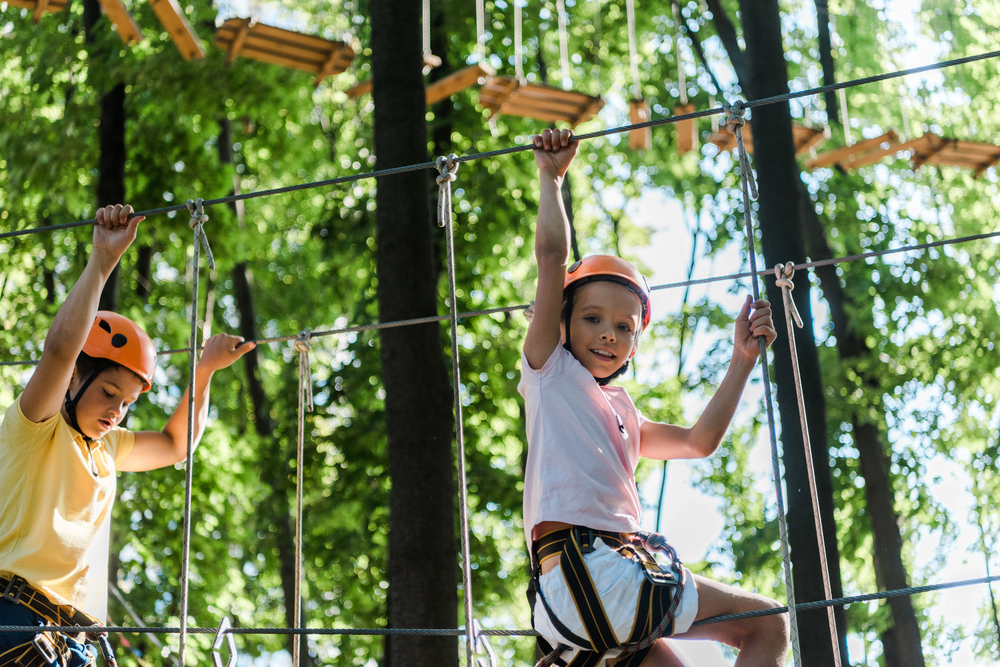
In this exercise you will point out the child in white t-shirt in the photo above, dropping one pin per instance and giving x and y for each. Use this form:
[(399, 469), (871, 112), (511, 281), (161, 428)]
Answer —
[(595, 586)]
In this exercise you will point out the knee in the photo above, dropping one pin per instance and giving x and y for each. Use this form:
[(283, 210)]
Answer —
[(773, 630)]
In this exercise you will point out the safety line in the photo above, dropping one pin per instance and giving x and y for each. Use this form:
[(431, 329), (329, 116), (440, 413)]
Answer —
[(380, 173), (665, 286), (458, 632)]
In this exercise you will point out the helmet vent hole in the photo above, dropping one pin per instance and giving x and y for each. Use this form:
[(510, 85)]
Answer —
[(104, 325), (119, 340)]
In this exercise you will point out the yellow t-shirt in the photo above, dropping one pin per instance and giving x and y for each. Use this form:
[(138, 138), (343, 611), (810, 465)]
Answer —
[(55, 515)]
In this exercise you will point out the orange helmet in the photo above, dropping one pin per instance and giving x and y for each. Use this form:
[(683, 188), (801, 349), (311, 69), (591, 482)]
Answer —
[(614, 269), (119, 339)]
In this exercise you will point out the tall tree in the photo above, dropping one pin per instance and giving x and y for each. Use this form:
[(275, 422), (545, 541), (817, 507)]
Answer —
[(418, 395), (762, 72)]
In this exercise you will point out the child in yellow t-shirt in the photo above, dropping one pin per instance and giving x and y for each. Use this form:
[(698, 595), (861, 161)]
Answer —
[(61, 446)]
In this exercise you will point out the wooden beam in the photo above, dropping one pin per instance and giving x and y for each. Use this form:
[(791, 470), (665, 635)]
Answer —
[(844, 153), (687, 130), (40, 7), (125, 25), (360, 89), (242, 28), (638, 112), (457, 81), (181, 33), (338, 61)]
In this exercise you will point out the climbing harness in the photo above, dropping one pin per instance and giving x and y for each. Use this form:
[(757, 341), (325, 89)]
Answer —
[(47, 646), (658, 599)]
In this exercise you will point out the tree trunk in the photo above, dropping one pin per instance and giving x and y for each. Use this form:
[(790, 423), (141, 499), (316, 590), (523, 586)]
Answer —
[(826, 60), (781, 241), (902, 643), (418, 403)]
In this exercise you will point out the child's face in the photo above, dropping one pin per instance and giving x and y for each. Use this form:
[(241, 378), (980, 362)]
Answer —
[(106, 401), (603, 326)]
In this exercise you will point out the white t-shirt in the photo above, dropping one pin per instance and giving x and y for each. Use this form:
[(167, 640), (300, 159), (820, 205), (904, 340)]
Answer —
[(581, 465)]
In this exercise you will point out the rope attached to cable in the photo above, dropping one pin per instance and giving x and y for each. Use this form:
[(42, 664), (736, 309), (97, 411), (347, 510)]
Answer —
[(198, 219), (783, 279), (734, 123), (447, 166), (303, 346)]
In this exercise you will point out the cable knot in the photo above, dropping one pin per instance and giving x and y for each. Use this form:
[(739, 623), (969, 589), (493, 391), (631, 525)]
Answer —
[(446, 166), (783, 274), (734, 115), (196, 207)]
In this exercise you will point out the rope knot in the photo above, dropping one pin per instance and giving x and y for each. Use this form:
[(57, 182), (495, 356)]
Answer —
[(196, 207), (783, 274), (734, 115), (446, 166), (303, 346)]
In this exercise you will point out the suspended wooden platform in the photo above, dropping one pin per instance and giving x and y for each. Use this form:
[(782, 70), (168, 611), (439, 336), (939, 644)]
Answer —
[(441, 89), (687, 130), (865, 152), (638, 112), (183, 35), (294, 50), (806, 138), (932, 149), (507, 95), (124, 24), (39, 7)]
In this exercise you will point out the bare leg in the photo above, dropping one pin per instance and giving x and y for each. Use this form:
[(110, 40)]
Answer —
[(762, 642), (663, 655)]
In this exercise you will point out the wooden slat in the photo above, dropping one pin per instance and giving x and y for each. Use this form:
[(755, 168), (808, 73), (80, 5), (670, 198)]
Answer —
[(40, 7), (807, 137), (125, 25), (51, 7), (845, 153), (311, 59), (360, 89), (687, 130), (183, 35), (509, 96), (339, 60), (283, 47), (464, 78)]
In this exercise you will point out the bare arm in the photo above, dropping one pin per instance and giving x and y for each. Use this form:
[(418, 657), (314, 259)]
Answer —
[(554, 151), (46, 390), (157, 449), (666, 441)]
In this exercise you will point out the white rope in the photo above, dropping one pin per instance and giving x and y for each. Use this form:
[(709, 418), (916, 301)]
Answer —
[(481, 29), (681, 75), (305, 403), (427, 26), (633, 50), (597, 33), (563, 43), (783, 278), (845, 117), (447, 166), (198, 219), (518, 44), (735, 123)]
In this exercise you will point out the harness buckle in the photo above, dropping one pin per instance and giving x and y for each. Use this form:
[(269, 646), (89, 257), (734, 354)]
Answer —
[(586, 538), (9, 592), (45, 648)]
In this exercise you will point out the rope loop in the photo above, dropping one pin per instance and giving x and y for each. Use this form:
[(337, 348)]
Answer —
[(734, 115), (446, 166), (198, 219), (303, 346), (783, 274), (735, 122)]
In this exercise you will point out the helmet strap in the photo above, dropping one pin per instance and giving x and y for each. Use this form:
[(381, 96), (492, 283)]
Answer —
[(72, 402)]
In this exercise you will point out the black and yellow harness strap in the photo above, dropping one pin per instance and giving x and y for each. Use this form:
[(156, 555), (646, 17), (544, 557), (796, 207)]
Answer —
[(656, 604), (45, 648)]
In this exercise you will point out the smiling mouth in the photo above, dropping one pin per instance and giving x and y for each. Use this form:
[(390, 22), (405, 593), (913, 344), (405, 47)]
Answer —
[(603, 355)]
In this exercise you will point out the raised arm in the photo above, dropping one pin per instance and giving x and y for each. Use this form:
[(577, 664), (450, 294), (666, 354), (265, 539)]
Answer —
[(554, 151), (666, 441), (46, 390), (157, 449)]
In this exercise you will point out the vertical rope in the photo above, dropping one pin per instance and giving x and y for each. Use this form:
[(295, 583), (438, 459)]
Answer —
[(427, 26), (563, 43), (596, 4), (681, 74), (518, 46), (783, 279), (481, 28), (305, 403), (198, 219), (735, 123), (848, 139), (633, 49), (447, 168)]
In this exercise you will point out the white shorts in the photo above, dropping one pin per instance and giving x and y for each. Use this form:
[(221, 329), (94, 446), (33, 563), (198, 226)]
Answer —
[(617, 581)]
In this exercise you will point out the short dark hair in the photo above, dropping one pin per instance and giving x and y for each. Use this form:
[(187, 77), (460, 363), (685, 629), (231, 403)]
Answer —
[(87, 365)]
